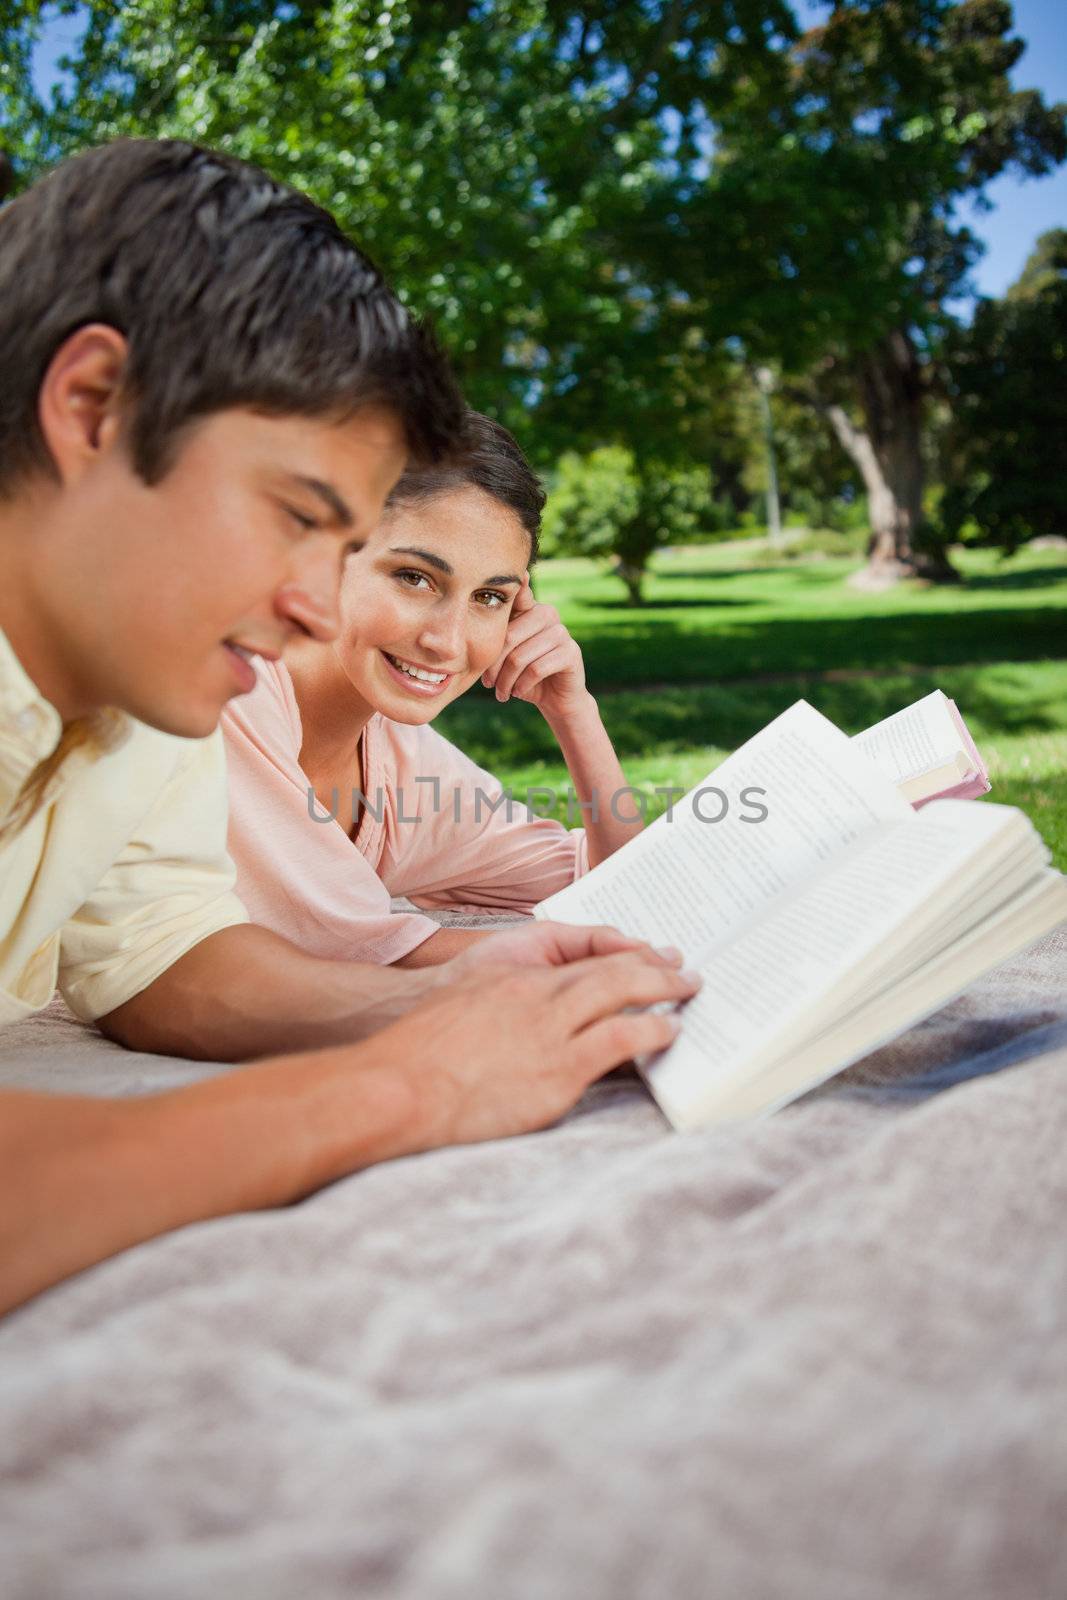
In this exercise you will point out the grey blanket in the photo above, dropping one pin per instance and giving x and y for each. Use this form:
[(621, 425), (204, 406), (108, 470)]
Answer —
[(821, 1355)]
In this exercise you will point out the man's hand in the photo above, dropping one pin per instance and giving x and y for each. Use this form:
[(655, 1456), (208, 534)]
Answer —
[(510, 1050), (549, 944)]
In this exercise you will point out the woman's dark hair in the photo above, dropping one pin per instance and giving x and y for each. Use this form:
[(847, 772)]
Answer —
[(489, 459), (231, 289)]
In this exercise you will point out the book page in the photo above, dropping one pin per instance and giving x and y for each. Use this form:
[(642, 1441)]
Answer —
[(911, 741), (772, 982), (692, 881), (1031, 914)]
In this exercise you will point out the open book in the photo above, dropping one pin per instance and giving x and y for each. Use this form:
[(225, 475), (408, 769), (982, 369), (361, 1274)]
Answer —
[(928, 752), (825, 913)]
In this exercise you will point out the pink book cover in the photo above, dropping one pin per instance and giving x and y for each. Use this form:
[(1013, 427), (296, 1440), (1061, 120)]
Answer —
[(977, 782)]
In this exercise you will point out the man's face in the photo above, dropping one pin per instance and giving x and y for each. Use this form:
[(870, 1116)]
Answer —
[(238, 548)]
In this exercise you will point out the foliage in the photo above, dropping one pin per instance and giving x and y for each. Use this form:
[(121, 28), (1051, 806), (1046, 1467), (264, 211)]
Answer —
[(1044, 268), (600, 205), (607, 503), (1010, 408), (823, 232)]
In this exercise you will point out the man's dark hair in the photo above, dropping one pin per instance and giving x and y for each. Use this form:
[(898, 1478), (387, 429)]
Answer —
[(490, 460), (231, 289)]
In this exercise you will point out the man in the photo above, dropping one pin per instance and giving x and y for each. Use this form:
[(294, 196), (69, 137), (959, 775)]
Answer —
[(208, 392)]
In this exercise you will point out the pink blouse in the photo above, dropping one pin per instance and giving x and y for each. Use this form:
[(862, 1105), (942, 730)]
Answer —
[(428, 832)]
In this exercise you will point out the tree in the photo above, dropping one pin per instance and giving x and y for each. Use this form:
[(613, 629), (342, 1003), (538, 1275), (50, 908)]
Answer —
[(445, 145), (595, 200), (1044, 268), (1010, 413), (609, 504), (824, 232)]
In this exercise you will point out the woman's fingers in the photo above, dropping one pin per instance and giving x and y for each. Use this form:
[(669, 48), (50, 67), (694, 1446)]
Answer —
[(520, 629), (545, 666), (532, 650), (524, 599)]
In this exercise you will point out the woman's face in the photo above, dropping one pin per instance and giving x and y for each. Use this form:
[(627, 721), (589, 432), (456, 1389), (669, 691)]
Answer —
[(425, 602)]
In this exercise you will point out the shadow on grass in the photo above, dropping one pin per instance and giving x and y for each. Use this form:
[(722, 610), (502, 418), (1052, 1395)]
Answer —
[(1038, 578), (680, 718), (643, 649), (657, 604), (717, 575)]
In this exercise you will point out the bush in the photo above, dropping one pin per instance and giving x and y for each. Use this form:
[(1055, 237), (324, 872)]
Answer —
[(607, 504)]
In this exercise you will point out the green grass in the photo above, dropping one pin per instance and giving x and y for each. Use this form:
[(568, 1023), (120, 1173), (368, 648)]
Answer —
[(710, 616), (722, 647)]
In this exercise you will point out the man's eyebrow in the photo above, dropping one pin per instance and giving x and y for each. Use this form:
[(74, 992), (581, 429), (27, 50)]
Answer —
[(328, 493)]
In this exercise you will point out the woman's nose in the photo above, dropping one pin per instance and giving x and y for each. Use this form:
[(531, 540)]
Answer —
[(442, 633)]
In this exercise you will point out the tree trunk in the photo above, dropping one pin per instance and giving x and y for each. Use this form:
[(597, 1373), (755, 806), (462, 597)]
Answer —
[(632, 574), (887, 449)]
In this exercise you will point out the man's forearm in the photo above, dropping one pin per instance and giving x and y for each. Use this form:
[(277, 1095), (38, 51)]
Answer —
[(442, 946), (245, 992)]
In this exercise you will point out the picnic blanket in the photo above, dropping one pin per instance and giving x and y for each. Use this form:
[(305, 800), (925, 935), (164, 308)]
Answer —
[(818, 1355)]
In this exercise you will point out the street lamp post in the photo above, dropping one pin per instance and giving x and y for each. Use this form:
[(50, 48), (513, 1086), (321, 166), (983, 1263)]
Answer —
[(765, 384)]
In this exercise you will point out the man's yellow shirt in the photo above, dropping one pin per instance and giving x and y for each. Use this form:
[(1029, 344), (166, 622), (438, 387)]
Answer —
[(120, 867)]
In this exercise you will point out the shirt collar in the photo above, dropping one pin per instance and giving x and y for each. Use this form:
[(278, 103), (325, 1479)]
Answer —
[(31, 727), (27, 716)]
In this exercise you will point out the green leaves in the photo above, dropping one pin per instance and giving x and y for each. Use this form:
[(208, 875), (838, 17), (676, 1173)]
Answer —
[(594, 202)]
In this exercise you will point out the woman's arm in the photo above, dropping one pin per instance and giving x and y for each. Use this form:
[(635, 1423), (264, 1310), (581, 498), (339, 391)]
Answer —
[(542, 664), (612, 816)]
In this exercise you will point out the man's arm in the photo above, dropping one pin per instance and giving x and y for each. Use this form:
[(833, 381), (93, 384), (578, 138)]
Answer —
[(504, 1052), (443, 945), (245, 992)]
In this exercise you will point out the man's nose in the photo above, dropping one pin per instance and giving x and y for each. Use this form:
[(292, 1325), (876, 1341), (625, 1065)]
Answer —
[(311, 597)]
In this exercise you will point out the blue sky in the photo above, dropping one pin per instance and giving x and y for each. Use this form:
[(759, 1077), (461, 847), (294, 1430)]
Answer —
[(1021, 209)]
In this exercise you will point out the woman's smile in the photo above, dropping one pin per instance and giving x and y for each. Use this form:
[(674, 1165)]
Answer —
[(425, 682)]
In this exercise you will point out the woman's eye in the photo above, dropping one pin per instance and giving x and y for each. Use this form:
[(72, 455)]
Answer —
[(490, 598), (413, 580)]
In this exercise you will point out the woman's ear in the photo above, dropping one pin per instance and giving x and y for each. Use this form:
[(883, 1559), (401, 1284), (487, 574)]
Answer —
[(79, 402)]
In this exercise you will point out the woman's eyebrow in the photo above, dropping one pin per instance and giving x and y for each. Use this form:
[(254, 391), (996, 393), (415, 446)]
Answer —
[(442, 565), (435, 561)]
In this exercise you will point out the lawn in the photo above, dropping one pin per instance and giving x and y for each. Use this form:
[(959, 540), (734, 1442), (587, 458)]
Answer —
[(724, 644)]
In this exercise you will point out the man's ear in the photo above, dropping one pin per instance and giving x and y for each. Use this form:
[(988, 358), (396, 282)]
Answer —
[(79, 403)]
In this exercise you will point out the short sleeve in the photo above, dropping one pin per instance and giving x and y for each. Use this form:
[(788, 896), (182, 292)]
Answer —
[(472, 843), (171, 887), (298, 872)]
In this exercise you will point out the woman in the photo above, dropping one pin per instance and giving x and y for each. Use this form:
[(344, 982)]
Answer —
[(341, 794)]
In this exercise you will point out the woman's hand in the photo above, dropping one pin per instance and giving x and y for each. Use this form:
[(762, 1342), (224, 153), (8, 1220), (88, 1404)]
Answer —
[(540, 662)]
